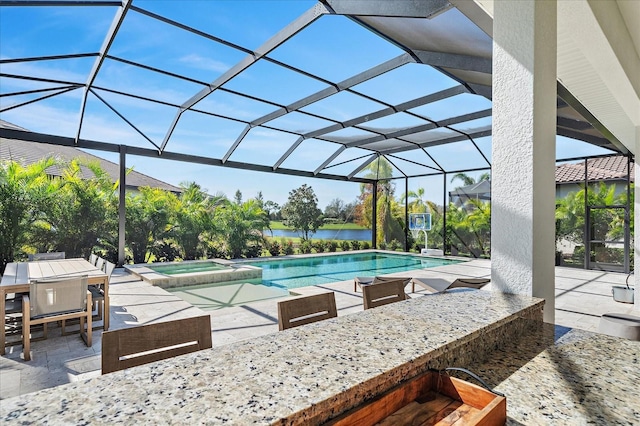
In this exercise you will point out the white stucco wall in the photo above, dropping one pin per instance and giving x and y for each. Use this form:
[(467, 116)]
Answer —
[(523, 150)]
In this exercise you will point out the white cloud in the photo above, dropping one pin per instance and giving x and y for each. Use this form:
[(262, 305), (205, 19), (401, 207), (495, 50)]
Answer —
[(201, 62), (45, 69), (64, 122)]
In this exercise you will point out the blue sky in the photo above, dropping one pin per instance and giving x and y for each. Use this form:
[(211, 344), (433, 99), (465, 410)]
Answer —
[(333, 48)]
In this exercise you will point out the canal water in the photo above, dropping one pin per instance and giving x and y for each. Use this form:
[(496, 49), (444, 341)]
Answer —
[(325, 234)]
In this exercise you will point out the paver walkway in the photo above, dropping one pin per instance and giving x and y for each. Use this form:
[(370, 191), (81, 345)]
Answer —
[(581, 297)]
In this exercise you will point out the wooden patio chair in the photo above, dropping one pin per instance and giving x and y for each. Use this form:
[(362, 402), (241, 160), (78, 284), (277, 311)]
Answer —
[(54, 300), (100, 263), (306, 309), (97, 292), (383, 293), (130, 347)]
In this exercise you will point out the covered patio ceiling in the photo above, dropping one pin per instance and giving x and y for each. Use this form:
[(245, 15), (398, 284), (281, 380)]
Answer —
[(320, 91)]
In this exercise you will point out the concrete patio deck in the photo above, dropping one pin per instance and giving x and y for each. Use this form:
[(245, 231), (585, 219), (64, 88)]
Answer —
[(581, 298)]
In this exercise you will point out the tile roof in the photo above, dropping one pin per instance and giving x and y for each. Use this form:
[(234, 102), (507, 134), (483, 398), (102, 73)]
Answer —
[(604, 168), (30, 152)]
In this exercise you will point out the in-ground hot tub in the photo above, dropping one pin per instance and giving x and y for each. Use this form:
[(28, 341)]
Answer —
[(191, 272)]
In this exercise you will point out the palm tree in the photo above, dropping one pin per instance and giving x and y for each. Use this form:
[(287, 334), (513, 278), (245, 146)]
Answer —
[(240, 228), (148, 218), (418, 203), (23, 191), (79, 216), (468, 180), (194, 216), (470, 229), (388, 212), (570, 213)]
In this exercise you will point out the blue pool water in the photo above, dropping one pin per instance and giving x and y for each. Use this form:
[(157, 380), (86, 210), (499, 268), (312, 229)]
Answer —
[(308, 271)]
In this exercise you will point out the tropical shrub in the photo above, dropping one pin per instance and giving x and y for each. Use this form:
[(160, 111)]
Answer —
[(253, 250), (213, 249), (355, 245), (274, 248), (287, 247), (345, 246), (165, 251), (147, 220), (319, 246), (332, 246), (394, 245), (366, 245), (305, 247)]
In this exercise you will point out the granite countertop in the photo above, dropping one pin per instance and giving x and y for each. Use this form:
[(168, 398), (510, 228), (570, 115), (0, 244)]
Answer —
[(557, 375), (303, 375)]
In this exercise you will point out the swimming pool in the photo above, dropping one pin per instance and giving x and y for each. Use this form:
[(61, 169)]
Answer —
[(308, 271)]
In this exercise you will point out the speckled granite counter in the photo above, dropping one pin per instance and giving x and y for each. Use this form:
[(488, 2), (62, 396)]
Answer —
[(563, 376), (305, 375)]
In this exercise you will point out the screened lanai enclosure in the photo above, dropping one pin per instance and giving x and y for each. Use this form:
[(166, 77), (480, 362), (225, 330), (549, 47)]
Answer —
[(394, 96)]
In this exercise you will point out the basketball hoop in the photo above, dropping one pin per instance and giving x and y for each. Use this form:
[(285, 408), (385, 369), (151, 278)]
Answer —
[(420, 223)]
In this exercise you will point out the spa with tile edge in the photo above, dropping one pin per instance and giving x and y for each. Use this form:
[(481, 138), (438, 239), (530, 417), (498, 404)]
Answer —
[(304, 375)]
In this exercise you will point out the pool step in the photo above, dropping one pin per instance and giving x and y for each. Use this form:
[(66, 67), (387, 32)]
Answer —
[(218, 296)]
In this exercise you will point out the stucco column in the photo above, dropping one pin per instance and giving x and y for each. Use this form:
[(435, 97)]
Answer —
[(523, 145), (636, 221)]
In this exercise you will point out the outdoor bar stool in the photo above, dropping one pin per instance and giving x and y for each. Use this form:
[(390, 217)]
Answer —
[(383, 293), (306, 309)]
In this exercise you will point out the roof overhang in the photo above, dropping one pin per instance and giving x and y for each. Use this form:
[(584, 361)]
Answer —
[(598, 62)]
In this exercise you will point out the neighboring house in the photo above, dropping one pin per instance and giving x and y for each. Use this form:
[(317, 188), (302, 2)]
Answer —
[(31, 152), (477, 191), (610, 170), (569, 178)]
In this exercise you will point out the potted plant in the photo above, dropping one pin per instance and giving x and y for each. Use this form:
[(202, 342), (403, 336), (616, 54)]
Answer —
[(623, 294)]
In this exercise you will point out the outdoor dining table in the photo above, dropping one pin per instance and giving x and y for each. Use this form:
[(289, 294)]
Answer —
[(18, 275)]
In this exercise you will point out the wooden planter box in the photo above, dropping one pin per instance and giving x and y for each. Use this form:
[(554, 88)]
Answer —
[(430, 399)]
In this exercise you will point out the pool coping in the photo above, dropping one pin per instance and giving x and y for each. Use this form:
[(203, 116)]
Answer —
[(240, 269), (298, 256)]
